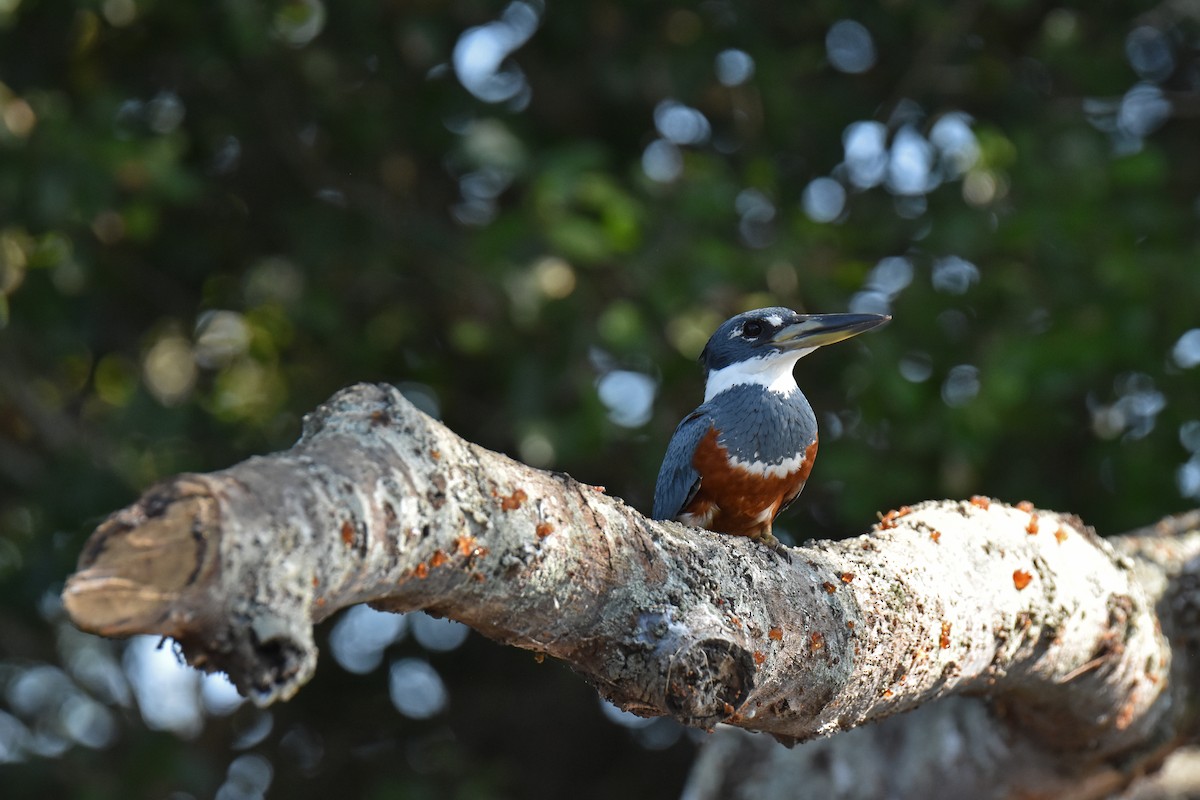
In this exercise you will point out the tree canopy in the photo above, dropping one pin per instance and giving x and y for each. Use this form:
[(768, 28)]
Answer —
[(530, 217)]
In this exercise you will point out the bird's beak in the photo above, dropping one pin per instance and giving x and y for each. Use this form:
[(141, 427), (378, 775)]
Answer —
[(816, 330)]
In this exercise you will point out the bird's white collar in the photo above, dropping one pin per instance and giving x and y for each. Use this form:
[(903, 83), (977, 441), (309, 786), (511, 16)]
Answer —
[(773, 372)]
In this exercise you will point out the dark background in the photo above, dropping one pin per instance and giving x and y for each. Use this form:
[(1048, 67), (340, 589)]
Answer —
[(214, 215)]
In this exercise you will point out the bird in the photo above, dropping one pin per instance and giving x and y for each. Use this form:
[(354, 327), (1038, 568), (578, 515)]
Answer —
[(744, 455)]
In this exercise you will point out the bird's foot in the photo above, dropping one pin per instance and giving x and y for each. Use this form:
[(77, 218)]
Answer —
[(777, 547)]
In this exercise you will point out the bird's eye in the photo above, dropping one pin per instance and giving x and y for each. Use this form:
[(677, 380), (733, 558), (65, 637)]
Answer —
[(752, 329)]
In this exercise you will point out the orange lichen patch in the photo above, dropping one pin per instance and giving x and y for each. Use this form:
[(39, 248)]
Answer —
[(888, 520), (599, 489), (817, 640), (935, 535), (539, 657), (469, 547), (850, 624), (944, 639), (759, 658), (320, 602), (735, 620), (478, 577), (316, 581), (887, 692), (436, 455), (514, 500), (847, 577), (347, 533), (421, 570), (438, 558), (828, 587), (775, 634), (1025, 506), (543, 530), (980, 501), (1061, 534), (379, 418), (1032, 527), (1021, 579)]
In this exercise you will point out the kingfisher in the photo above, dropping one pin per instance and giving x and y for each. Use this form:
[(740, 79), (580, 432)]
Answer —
[(743, 456)]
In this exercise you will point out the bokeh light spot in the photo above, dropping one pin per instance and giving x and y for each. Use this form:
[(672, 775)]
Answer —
[(1189, 436), (221, 336), (884, 283), (662, 161), (537, 450), (481, 54), (1187, 478), (823, 200), (849, 47), (298, 22), (14, 739), (954, 139), (164, 113), (1143, 110), (554, 276), (866, 156), (88, 722), (167, 691), (18, 116), (628, 396), (438, 634), (169, 369), (119, 13), (1149, 53), (910, 166), (1186, 352), (954, 275), (961, 385), (248, 778), (734, 67), (417, 691), (757, 217), (219, 695), (681, 124), (361, 635), (916, 367)]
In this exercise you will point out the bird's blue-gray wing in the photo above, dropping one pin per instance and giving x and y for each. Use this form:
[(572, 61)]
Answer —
[(678, 480)]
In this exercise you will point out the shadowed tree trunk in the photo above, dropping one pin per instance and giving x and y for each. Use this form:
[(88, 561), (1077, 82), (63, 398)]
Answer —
[(1063, 664)]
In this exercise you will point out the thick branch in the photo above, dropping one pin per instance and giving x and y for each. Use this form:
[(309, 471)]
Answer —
[(379, 503)]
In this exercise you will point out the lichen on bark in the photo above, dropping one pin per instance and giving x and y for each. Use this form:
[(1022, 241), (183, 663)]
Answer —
[(1050, 627)]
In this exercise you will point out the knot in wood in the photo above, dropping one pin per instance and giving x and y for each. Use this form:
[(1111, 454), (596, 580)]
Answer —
[(708, 681)]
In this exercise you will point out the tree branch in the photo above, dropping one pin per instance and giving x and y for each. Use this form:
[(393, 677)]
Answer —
[(377, 502)]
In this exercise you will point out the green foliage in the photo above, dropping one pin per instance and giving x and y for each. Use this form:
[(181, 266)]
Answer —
[(213, 215)]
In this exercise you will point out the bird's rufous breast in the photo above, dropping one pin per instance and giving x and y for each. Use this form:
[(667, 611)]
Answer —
[(738, 500)]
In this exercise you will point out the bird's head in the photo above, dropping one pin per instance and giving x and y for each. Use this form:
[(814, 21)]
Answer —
[(762, 346)]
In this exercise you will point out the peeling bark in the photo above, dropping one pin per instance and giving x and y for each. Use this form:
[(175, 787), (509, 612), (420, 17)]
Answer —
[(1071, 658)]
